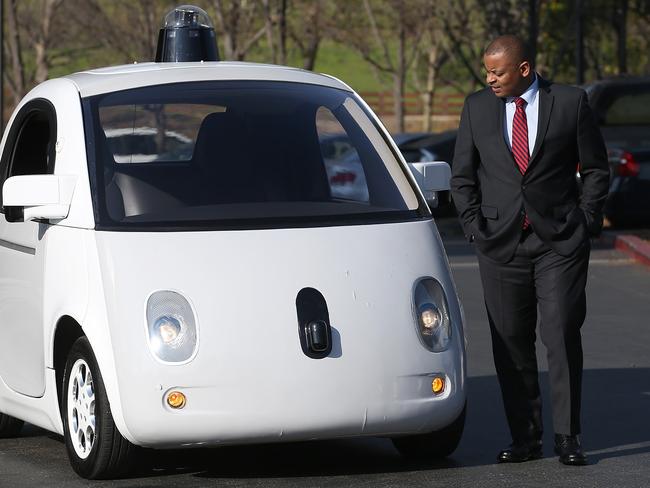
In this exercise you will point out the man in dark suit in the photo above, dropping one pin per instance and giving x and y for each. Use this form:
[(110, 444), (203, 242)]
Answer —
[(514, 184)]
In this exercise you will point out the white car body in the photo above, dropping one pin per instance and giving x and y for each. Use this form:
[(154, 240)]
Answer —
[(248, 379)]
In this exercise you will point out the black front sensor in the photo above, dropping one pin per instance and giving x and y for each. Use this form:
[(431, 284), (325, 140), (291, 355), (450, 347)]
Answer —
[(314, 328)]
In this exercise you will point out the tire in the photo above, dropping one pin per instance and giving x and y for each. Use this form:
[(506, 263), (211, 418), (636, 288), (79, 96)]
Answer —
[(95, 447), (434, 445), (9, 426)]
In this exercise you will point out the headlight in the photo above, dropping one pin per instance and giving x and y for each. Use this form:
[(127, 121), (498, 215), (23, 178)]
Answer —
[(432, 315), (171, 327)]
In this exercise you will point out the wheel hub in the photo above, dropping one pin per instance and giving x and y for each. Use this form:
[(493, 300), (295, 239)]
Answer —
[(81, 408)]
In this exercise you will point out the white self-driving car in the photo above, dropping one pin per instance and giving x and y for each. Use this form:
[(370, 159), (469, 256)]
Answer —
[(219, 291)]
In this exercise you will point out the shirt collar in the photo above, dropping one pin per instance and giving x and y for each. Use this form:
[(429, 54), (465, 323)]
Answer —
[(530, 94)]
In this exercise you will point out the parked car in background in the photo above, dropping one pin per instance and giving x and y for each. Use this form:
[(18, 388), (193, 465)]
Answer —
[(344, 169), (419, 147), (143, 145), (423, 146), (345, 172), (622, 108)]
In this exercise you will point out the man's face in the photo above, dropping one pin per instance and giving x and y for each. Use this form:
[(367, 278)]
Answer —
[(506, 77)]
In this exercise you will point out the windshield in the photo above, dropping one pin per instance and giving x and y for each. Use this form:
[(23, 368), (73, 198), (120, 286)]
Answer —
[(241, 154)]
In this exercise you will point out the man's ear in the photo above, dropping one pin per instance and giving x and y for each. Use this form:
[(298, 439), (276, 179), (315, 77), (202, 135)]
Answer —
[(524, 68)]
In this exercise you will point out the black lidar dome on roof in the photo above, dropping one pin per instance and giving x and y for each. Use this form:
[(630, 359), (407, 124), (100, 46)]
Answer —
[(187, 35)]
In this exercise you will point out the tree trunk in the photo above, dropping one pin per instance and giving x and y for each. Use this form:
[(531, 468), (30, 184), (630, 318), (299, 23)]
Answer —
[(620, 24), (282, 31), (268, 27), (42, 66), (42, 41), (310, 53), (400, 74), (533, 30), (432, 74), (235, 27), (580, 45), (17, 78), (228, 29), (152, 25), (313, 33)]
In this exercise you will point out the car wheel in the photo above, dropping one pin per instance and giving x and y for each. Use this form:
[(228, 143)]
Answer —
[(96, 448), (9, 426), (434, 445)]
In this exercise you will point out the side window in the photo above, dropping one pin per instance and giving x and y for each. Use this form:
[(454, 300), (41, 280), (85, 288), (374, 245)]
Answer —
[(345, 173), (629, 107), (30, 147)]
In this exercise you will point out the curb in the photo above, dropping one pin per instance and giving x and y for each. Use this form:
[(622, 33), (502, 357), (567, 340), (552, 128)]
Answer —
[(634, 246)]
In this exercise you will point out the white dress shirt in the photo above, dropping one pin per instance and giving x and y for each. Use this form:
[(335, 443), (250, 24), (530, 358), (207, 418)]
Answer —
[(532, 111)]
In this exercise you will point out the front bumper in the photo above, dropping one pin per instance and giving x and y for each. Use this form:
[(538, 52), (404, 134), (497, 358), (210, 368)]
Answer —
[(268, 407)]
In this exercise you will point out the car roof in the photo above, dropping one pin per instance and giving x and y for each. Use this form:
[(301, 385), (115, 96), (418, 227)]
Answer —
[(124, 77), (429, 139), (405, 137), (621, 80)]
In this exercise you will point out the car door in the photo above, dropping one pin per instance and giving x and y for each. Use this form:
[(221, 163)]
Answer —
[(29, 149)]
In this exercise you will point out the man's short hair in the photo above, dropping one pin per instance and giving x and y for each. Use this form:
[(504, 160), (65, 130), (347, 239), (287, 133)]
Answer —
[(512, 46)]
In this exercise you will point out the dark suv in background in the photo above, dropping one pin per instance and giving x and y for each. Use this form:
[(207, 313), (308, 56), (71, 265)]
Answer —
[(622, 107)]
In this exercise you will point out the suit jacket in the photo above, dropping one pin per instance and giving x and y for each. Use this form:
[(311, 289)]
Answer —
[(492, 196)]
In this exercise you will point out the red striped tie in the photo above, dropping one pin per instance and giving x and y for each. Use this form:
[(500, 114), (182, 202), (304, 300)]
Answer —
[(520, 141)]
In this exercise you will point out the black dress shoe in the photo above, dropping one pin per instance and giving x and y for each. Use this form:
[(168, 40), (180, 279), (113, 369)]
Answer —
[(518, 452), (569, 449)]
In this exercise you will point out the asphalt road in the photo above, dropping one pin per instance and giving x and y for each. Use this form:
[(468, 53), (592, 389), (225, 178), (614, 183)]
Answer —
[(616, 411)]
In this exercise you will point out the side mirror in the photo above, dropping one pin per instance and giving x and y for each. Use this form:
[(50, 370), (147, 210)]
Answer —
[(432, 178), (32, 197)]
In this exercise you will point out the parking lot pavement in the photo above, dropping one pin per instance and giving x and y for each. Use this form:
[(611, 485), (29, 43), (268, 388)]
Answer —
[(616, 395), (632, 242), (616, 402)]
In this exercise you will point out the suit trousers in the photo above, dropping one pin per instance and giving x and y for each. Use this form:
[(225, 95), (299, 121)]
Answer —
[(537, 282)]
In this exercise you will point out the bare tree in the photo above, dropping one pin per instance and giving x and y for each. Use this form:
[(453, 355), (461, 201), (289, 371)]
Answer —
[(275, 21), (502, 17), (386, 34), (16, 74), (640, 31), (307, 27), (432, 55), (128, 28), (533, 28), (33, 34), (460, 26), (471, 24), (619, 21), (41, 37), (238, 23), (563, 48)]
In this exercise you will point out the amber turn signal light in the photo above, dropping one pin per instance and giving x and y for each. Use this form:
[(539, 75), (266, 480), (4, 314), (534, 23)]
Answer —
[(438, 385), (176, 400)]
